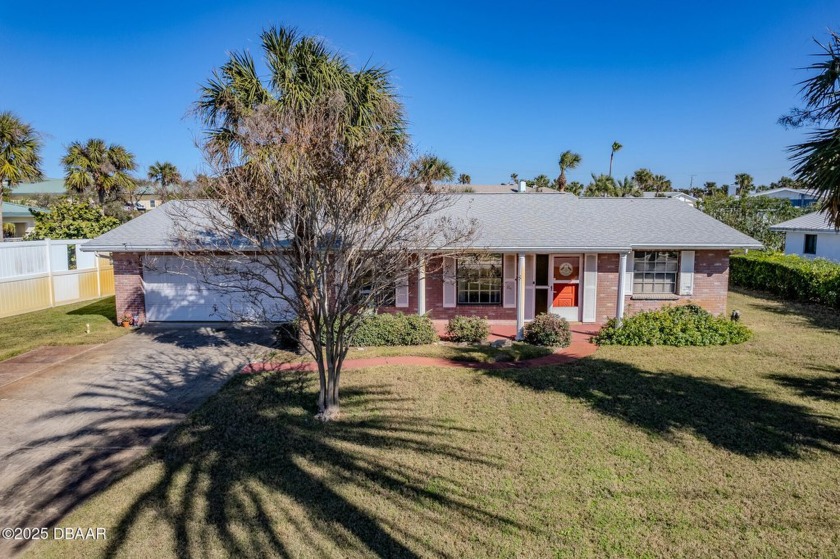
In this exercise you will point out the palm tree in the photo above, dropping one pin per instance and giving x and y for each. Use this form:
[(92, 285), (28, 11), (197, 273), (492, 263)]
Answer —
[(816, 160), (575, 188), (97, 168), (602, 186), (568, 160), (302, 72), (745, 184), (165, 174), (615, 147), (464, 178), (20, 157), (540, 181), (431, 168), (627, 187)]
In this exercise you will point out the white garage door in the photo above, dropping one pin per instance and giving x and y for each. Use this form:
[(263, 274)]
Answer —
[(175, 292)]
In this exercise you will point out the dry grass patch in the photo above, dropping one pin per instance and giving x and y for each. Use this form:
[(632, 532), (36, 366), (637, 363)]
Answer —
[(634, 452)]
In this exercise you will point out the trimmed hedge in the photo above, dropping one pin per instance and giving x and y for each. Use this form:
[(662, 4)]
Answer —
[(548, 330), (686, 325), (468, 329), (394, 329), (788, 275)]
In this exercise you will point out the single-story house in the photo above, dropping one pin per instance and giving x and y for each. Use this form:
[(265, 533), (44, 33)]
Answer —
[(799, 197), (586, 259), (810, 236), (21, 217)]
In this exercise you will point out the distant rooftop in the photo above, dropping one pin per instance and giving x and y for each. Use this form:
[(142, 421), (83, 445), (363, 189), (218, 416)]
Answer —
[(804, 192), (49, 186), (487, 188), (12, 210), (816, 221)]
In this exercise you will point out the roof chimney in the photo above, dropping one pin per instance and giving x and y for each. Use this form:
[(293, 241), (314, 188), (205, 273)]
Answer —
[(521, 186)]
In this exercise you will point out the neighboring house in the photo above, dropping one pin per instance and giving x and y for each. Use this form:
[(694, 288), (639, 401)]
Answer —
[(586, 259), (21, 217), (147, 197), (811, 236), (799, 197), (681, 196), (29, 190)]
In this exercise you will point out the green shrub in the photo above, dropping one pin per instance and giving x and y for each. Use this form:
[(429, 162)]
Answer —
[(788, 275), (468, 329), (287, 335), (548, 330), (394, 329), (687, 325)]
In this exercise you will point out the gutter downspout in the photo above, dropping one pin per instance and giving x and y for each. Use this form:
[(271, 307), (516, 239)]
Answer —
[(520, 296), (421, 285)]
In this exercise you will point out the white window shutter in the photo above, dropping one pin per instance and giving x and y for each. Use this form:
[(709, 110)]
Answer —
[(449, 282), (401, 295), (509, 278), (687, 272), (628, 276)]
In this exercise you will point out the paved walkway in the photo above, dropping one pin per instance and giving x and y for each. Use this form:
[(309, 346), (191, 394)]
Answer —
[(580, 347), (74, 425)]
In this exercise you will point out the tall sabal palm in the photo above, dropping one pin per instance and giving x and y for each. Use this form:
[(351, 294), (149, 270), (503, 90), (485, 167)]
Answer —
[(615, 147), (301, 72), (165, 174), (97, 168), (20, 155), (817, 161), (431, 168), (568, 160)]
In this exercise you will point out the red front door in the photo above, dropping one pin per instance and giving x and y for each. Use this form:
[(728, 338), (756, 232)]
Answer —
[(565, 295)]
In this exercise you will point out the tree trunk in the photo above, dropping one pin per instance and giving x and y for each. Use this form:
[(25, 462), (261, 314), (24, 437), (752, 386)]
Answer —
[(101, 194), (612, 154)]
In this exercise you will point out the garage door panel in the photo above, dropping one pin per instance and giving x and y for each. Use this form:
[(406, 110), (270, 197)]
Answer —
[(174, 292)]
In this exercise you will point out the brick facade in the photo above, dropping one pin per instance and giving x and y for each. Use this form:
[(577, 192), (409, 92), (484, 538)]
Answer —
[(711, 285), (711, 281), (128, 285), (434, 299)]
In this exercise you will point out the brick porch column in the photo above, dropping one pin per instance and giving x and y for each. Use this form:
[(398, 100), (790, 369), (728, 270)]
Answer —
[(128, 285)]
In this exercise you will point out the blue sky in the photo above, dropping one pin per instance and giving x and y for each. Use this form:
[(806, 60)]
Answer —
[(689, 88)]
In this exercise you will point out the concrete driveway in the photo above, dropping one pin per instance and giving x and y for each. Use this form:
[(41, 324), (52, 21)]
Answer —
[(70, 429)]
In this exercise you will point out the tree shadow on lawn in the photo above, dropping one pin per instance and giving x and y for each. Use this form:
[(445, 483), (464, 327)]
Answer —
[(732, 418), (826, 387), (232, 469)]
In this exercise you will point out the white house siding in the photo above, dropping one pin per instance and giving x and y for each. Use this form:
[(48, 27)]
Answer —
[(828, 244)]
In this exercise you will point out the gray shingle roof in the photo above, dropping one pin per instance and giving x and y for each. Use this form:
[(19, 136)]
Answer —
[(512, 222), (815, 221)]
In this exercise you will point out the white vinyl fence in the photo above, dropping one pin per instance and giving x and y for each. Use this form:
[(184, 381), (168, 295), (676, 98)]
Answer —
[(41, 274)]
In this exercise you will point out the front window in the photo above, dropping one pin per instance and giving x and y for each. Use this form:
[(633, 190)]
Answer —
[(480, 280), (655, 272), (810, 244), (385, 297)]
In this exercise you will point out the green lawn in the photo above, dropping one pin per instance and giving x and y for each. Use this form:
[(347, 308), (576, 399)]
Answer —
[(634, 452), (64, 325)]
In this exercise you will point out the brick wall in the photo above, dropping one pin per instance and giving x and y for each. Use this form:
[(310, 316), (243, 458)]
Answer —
[(128, 285), (711, 285), (434, 299)]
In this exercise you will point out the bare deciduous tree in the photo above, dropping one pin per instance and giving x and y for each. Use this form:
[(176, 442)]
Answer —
[(315, 224)]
